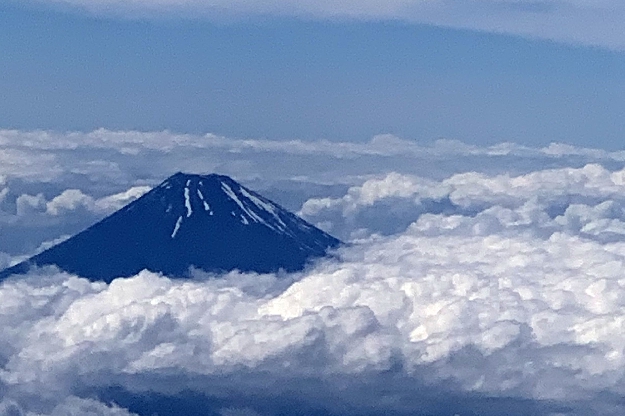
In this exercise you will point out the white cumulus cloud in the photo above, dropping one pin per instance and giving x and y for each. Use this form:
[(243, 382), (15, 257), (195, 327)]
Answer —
[(499, 316), (483, 287), (587, 199), (56, 184), (72, 199)]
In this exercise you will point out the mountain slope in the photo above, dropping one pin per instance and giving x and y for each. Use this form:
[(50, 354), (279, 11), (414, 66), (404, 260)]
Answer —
[(207, 221)]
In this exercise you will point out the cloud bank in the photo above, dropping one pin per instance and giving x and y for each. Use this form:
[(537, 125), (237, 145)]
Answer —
[(565, 199), (55, 184), (573, 21), (479, 281), (452, 307)]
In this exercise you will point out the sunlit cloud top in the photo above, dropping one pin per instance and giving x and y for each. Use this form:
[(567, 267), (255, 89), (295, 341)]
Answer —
[(479, 280)]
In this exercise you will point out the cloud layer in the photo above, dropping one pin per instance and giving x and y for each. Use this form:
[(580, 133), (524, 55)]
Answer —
[(55, 184), (478, 281), (574, 21), (452, 305)]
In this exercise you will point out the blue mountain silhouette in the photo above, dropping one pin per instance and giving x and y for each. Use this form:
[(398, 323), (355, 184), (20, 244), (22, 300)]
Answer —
[(206, 221)]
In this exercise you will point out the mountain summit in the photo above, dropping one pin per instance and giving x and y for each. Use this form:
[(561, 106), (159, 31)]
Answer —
[(206, 221)]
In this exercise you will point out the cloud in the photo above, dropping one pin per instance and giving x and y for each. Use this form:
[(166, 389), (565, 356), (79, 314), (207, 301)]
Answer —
[(5, 260), (56, 184), (69, 200), (126, 158), (31, 223), (72, 199), (516, 300), (28, 204), (114, 202), (573, 21), (585, 200), (488, 285), (469, 314), (70, 406)]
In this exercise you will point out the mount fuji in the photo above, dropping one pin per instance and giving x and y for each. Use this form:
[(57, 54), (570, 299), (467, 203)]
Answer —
[(209, 222)]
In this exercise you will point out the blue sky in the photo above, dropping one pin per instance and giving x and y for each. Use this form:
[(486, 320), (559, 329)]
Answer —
[(285, 77)]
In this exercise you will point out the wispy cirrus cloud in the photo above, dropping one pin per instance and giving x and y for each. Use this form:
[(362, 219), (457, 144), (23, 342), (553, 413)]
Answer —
[(573, 21)]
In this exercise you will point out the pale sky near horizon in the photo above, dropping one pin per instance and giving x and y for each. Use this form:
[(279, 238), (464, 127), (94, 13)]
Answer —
[(287, 70)]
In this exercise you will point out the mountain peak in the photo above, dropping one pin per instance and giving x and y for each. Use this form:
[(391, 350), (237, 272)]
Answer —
[(220, 196), (206, 221)]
